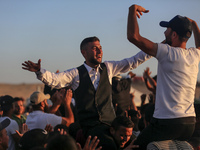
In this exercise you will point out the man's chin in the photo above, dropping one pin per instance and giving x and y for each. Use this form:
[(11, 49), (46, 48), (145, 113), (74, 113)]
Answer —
[(96, 62)]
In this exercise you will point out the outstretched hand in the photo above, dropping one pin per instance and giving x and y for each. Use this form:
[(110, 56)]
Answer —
[(139, 10), (30, 66), (90, 144)]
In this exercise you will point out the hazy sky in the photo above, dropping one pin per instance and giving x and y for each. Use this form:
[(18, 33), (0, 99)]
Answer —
[(52, 30)]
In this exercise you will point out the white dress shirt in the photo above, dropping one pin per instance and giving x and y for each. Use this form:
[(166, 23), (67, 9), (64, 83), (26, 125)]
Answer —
[(71, 77)]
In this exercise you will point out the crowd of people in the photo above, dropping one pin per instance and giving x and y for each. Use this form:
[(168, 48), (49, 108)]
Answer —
[(104, 115)]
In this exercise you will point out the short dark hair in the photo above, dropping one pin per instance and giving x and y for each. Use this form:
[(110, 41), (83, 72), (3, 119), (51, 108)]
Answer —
[(33, 138), (87, 40), (183, 39), (16, 99), (62, 142), (122, 121)]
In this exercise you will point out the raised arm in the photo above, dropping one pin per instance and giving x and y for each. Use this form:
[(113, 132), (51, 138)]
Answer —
[(133, 34), (196, 33)]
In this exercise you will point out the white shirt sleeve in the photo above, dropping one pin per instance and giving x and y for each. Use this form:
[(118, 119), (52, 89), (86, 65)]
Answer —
[(57, 80), (118, 67), (163, 50)]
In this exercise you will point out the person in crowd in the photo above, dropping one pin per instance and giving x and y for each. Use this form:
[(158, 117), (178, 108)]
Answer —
[(33, 138), (149, 81), (121, 93), (174, 115), (6, 104), (18, 112), (4, 138), (66, 142), (121, 131), (150, 84), (195, 139), (91, 83), (135, 117), (39, 118)]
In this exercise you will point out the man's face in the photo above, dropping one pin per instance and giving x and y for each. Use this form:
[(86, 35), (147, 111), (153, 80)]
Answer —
[(122, 135), (93, 53), (4, 139), (18, 108), (168, 36)]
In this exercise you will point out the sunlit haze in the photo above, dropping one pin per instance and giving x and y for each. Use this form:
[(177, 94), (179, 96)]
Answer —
[(52, 30)]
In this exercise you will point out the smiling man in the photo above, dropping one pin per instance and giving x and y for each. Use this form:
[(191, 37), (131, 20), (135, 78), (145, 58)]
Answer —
[(91, 83), (121, 130)]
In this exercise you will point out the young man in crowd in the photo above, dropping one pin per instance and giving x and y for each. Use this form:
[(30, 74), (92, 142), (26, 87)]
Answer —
[(91, 83), (39, 118), (4, 138), (174, 115), (6, 105), (18, 112)]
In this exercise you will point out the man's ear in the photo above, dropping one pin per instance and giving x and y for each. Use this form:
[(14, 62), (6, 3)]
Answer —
[(112, 130), (83, 52), (174, 34)]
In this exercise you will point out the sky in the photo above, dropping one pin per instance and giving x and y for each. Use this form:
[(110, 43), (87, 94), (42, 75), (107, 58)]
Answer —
[(52, 30)]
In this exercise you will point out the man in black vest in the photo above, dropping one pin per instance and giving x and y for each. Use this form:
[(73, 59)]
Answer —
[(91, 83)]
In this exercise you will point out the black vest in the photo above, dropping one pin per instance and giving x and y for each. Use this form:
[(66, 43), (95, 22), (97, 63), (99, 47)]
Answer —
[(94, 106)]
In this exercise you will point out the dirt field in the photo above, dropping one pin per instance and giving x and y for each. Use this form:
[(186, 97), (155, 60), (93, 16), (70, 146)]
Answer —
[(25, 90)]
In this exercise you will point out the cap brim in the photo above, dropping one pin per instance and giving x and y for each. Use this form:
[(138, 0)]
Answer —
[(164, 24), (47, 96), (4, 123)]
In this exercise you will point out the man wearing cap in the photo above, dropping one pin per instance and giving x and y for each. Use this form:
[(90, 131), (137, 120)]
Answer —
[(174, 115), (39, 118), (4, 138), (6, 104)]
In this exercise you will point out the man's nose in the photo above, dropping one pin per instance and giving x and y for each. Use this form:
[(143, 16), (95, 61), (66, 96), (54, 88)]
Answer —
[(99, 50)]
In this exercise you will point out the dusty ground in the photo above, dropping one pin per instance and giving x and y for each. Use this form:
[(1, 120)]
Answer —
[(25, 90), (19, 90)]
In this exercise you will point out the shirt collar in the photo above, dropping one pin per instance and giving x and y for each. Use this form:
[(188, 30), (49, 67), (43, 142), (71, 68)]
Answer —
[(89, 69)]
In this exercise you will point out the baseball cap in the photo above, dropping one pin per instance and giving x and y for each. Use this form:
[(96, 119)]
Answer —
[(6, 102), (38, 97), (181, 25), (33, 138), (4, 123)]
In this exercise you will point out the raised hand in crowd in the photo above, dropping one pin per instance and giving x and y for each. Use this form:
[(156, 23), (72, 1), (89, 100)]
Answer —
[(67, 101), (30, 66), (132, 102), (23, 130), (131, 146), (57, 99), (149, 81), (90, 144), (62, 132), (146, 73), (49, 128), (68, 96)]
